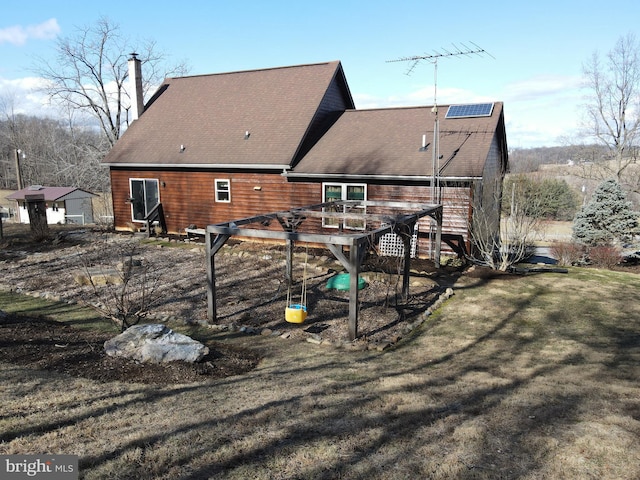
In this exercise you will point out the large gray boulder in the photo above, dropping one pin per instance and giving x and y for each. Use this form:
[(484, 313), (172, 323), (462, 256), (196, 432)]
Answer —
[(155, 343)]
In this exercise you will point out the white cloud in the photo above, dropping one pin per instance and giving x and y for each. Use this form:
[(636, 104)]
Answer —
[(22, 95), (19, 35), (542, 87), (421, 97), (541, 110)]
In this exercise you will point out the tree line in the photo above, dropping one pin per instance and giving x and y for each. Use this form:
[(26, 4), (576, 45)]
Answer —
[(51, 152), (88, 82), (528, 160)]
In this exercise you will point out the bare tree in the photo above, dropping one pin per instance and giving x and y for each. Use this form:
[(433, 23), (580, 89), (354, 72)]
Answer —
[(501, 247), (125, 285), (612, 110), (91, 71)]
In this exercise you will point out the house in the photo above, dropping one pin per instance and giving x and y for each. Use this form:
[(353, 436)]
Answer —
[(213, 148), (63, 204)]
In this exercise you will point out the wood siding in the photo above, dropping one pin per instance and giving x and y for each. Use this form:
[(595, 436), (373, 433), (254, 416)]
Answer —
[(456, 209), (188, 199)]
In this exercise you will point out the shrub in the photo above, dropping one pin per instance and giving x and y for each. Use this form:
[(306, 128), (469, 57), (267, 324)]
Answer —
[(568, 253), (125, 286), (548, 198), (604, 256)]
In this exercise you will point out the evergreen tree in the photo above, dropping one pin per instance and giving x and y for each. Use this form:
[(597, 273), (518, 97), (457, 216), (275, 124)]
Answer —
[(606, 218)]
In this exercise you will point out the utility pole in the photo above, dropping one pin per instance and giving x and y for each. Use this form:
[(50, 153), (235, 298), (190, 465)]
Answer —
[(18, 171)]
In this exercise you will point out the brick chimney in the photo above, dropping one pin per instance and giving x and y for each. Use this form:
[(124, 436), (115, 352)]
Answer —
[(135, 77)]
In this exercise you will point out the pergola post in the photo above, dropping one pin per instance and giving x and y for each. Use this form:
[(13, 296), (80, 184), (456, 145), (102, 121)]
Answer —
[(213, 245), (354, 271), (289, 261), (406, 234)]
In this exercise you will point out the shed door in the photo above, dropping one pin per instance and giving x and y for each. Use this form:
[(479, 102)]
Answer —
[(79, 210)]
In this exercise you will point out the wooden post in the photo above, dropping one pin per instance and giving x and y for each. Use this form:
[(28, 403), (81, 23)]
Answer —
[(213, 245), (211, 279), (37, 210), (289, 260), (354, 271), (406, 235)]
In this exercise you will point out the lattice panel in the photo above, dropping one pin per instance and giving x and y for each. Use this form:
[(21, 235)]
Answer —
[(391, 245)]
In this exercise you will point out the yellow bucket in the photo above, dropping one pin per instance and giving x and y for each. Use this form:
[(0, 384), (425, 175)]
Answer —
[(295, 313)]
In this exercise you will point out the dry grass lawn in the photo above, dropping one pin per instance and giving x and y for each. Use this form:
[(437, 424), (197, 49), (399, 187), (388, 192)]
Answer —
[(514, 377)]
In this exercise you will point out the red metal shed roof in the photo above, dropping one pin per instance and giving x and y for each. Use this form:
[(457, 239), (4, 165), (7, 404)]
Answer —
[(51, 194)]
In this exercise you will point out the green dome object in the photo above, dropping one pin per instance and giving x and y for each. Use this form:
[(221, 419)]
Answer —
[(341, 282)]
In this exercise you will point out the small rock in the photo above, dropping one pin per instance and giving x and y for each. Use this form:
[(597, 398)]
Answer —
[(217, 327)]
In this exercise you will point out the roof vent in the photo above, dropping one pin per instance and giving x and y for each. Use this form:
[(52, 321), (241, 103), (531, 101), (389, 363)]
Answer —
[(35, 187)]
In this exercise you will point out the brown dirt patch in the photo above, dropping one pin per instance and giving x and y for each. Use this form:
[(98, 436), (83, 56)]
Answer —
[(47, 345), (251, 288), (251, 297)]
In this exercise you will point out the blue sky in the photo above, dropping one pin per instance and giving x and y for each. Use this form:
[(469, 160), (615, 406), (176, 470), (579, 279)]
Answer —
[(537, 48)]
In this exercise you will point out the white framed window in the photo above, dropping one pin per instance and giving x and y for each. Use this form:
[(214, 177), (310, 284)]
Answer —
[(144, 195), (223, 190), (344, 191)]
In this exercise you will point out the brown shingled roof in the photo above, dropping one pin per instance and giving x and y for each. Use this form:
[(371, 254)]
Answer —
[(209, 115), (386, 142)]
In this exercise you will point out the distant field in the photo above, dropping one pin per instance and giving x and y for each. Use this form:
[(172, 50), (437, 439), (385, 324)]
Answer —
[(555, 231), (3, 201)]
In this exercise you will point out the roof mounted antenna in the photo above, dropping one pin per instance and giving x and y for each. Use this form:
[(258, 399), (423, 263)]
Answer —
[(456, 51)]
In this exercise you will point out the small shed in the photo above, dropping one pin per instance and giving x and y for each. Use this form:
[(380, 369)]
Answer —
[(63, 204)]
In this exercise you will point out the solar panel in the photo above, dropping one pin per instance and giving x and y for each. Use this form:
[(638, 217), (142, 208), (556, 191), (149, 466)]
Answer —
[(470, 110)]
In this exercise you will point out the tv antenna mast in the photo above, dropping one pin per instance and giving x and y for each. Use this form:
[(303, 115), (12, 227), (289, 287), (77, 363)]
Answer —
[(456, 51)]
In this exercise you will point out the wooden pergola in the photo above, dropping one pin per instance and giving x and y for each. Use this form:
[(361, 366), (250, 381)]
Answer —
[(389, 217)]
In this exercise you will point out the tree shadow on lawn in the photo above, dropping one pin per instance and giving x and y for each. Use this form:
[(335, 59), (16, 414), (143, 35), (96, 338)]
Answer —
[(489, 404), (356, 415)]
